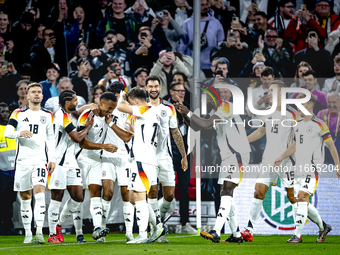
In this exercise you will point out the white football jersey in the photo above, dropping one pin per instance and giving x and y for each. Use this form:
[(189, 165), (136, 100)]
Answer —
[(40, 147), (96, 135), (168, 119), (278, 136), (65, 146), (310, 138), (231, 133), (145, 141)]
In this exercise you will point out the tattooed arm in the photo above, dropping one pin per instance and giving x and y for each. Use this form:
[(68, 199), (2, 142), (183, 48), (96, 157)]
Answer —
[(177, 136)]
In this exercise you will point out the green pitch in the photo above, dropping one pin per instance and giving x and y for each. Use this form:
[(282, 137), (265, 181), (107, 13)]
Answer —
[(179, 244)]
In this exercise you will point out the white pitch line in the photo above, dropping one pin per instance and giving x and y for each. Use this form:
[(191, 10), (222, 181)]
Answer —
[(65, 244)]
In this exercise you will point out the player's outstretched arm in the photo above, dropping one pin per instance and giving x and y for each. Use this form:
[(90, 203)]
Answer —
[(177, 136), (94, 108), (257, 134), (335, 155), (290, 151)]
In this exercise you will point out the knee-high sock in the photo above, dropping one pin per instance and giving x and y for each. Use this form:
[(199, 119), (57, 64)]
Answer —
[(128, 211), (96, 211), (295, 207), (53, 216), (254, 214), (106, 209), (222, 213), (155, 207), (164, 207), (142, 214), (301, 217), (232, 220), (26, 216), (314, 216), (68, 209), (152, 216), (39, 211), (78, 219)]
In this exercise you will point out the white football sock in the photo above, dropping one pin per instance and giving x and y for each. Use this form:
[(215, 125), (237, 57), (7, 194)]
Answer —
[(106, 209), (26, 216), (164, 207), (65, 214), (222, 213), (314, 216), (152, 216), (142, 214), (78, 219), (301, 217), (96, 211), (128, 211), (53, 216), (254, 214), (295, 207), (39, 211), (232, 220), (155, 207)]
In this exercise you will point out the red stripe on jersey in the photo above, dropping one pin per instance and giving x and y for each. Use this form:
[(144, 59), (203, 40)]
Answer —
[(327, 138), (224, 107), (172, 110), (143, 109), (83, 118), (66, 120), (144, 179), (323, 126), (52, 118), (14, 114)]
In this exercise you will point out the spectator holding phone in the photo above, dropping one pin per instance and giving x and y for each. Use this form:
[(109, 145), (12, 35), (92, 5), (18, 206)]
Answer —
[(142, 13), (333, 84), (83, 52), (114, 73)]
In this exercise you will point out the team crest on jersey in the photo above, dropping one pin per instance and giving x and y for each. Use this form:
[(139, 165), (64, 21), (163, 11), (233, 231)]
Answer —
[(309, 129), (123, 115), (163, 113), (43, 119), (56, 183)]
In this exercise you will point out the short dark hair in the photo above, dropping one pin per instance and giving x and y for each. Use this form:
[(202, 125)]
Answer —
[(107, 96), (110, 31), (3, 105), (21, 82), (309, 72), (313, 30), (46, 28), (51, 66), (138, 93), (185, 78), (262, 14), (282, 3), (174, 84), (152, 78), (140, 70), (116, 87), (267, 71), (66, 95)]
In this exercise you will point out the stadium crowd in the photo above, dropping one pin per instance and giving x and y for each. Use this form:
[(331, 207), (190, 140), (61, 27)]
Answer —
[(88, 45)]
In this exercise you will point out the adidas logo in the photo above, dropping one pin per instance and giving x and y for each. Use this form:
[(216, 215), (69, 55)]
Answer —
[(25, 217), (219, 215), (96, 125), (77, 218), (297, 131), (127, 220), (305, 187), (138, 218), (98, 213), (26, 120), (42, 181), (299, 222)]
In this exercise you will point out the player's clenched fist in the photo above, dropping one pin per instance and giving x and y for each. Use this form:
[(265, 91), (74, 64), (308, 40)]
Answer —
[(184, 162), (110, 147), (26, 134)]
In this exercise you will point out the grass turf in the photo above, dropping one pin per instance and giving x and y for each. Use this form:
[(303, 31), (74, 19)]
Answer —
[(179, 244)]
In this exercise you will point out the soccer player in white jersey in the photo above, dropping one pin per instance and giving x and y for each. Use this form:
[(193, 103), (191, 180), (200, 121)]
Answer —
[(67, 173), (90, 160), (32, 125), (115, 167), (230, 131), (311, 135), (279, 137), (144, 167), (166, 173)]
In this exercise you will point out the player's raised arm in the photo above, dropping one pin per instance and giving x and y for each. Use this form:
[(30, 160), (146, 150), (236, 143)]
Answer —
[(123, 105), (290, 151), (124, 135), (257, 134)]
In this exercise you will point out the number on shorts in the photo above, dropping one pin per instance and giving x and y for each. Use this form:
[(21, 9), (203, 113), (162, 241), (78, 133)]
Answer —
[(78, 173), (34, 128), (308, 178), (133, 176), (127, 172), (41, 172)]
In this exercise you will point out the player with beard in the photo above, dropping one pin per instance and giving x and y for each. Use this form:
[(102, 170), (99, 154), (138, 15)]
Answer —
[(311, 135), (165, 168)]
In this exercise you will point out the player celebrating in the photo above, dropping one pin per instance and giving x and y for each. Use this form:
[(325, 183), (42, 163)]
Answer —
[(227, 134), (32, 125), (279, 138), (166, 173), (311, 135), (116, 166), (144, 169), (90, 160)]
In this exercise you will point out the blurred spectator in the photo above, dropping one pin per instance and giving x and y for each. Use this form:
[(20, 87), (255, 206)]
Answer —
[(26, 71), (286, 12), (111, 50), (50, 85), (52, 104), (141, 75), (225, 94), (249, 5), (85, 79), (120, 22), (5, 23), (235, 51), (166, 27), (261, 23), (223, 13), (326, 19), (181, 78), (97, 91), (99, 9), (146, 51), (8, 78), (142, 13), (86, 32), (43, 55), (164, 69), (7, 49), (333, 43), (82, 52), (310, 81), (7, 162), (21, 92), (181, 10), (333, 84), (275, 54), (318, 58), (212, 34), (113, 74), (256, 74), (331, 117), (39, 36)]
